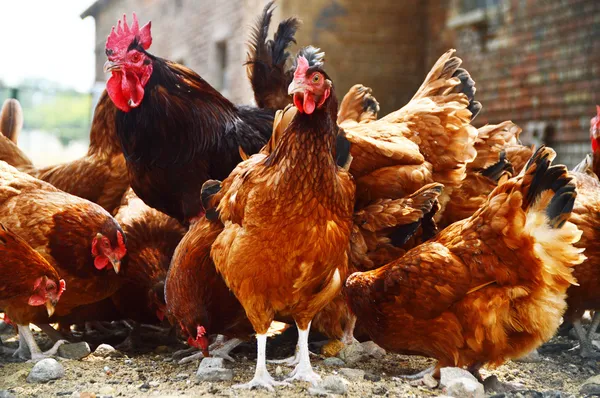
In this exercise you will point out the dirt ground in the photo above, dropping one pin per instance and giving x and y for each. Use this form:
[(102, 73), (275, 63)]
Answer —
[(154, 373)]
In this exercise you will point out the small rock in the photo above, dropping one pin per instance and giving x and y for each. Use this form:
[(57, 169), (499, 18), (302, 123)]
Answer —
[(352, 374), (128, 362), (591, 386), (105, 351), (63, 393), (154, 383), (464, 387), (278, 371), (333, 385), (6, 394), (161, 349), (74, 351), (532, 357), (181, 376), (86, 394), (213, 369), (107, 370), (449, 374), (493, 384), (353, 353), (106, 390), (144, 386), (46, 370), (429, 381), (373, 350), (333, 362), (380, 390), (372, 377)]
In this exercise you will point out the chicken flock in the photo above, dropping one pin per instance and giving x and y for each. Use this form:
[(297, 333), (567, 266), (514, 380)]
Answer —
[(415, 230)]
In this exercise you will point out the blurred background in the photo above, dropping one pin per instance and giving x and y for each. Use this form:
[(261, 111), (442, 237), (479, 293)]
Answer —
[(536, 62)]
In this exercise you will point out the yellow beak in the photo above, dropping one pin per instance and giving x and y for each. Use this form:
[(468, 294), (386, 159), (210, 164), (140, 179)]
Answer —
[(49, 308)]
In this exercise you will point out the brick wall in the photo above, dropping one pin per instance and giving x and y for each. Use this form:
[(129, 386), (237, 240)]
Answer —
[(538, 64), (377, 43)]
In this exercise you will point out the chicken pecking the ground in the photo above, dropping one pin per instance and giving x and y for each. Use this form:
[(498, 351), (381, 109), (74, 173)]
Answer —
[(287, 218), (28, 281), (77, 237), (486, 289), (175, 130)]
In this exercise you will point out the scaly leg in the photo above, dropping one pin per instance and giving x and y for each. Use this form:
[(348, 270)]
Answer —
[(290, 361), (594, 326), (304, 370), (52, 333), (262, 378), (348, 337), (26, 339), (586, 347)]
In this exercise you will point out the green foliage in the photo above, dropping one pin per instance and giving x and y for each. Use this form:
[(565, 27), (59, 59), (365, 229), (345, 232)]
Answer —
[(65, 114), (47, 107)]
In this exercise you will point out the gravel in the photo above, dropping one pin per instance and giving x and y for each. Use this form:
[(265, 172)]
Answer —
[(546, 379)]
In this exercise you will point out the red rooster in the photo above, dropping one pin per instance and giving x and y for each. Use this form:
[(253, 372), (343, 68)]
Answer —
[(176, 131)]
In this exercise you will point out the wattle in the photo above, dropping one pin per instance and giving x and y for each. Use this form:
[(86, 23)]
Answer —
[(100, 262), (125, 90)]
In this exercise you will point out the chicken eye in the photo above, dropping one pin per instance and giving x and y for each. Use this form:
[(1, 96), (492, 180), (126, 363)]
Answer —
[(316, 78), (135, 58)]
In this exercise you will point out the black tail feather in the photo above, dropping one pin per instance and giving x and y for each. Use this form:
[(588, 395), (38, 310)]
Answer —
[(555, 178), (342, 150), (498, 169), (267, 59), (467, 87)]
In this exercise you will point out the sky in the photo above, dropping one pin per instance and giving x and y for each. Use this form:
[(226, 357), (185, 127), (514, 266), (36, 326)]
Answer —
[(47, 39)]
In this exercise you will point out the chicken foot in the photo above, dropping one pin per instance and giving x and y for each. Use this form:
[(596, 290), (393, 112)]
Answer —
[(219, 349), (262, 378), (586, 347), (29, 347), (420, 375), (303, 371), (291, 361)]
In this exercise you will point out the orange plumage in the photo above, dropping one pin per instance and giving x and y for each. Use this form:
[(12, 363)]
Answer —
[(77, 237), (486, 289)]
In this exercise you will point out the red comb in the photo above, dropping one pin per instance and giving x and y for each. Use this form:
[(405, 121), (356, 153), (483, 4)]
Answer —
[(301, 68), (200, 331), (121, 37), (62, 287), (121, 249)]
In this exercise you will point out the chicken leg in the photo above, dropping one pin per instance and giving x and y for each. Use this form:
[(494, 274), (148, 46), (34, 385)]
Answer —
[(28, 345), (303, 370), (587, 349), (594, 326), (52, 333), (262, 378)]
